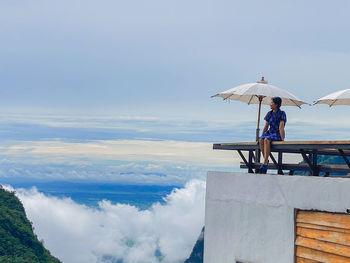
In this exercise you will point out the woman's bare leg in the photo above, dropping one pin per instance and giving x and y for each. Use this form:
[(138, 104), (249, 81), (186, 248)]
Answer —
[(267, 148), (261, 144)]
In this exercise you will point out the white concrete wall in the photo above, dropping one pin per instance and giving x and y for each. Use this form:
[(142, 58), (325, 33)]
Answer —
[(250, 217)]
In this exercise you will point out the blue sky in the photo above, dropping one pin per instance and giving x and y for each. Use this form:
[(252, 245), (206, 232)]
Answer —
[(165, 58)]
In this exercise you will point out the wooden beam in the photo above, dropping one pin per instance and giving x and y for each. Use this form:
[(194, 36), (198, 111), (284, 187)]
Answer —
[(305, 260), (279, 167), (320, 256), (324, 246), (307, 160), (325, 235), (326, 228), (324, 219), (280, 145), (250, 169), (303, 167), (344, 157), (292, 142)]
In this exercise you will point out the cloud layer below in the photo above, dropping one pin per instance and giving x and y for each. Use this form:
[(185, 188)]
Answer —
[(118, 232)]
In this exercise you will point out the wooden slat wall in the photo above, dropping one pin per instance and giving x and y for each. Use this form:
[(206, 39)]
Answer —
[(322, 237)]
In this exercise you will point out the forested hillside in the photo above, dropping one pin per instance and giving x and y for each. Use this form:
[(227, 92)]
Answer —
[(18, 243)]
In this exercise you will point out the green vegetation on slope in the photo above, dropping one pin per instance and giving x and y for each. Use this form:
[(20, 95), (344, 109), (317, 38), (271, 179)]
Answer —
[(18, 243)]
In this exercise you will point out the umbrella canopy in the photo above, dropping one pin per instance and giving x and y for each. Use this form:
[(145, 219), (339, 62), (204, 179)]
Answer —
[(260, 93), (341, 97)]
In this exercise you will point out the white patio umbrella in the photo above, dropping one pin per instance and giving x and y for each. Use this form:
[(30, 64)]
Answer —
[(260, 93), (341, 97)]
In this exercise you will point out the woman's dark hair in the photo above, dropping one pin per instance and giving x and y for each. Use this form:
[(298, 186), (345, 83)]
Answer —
[(277, 101)]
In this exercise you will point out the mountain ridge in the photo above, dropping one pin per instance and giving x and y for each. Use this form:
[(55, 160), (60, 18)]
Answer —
[(18, 242)]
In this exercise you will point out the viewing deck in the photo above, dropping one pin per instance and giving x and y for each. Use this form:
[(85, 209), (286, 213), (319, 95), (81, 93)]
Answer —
[(309, 150)]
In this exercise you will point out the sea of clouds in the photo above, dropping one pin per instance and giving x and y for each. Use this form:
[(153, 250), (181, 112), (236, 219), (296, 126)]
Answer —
[(120, 233)]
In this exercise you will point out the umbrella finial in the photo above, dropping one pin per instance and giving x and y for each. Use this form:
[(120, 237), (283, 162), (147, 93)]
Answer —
[(262, 80)]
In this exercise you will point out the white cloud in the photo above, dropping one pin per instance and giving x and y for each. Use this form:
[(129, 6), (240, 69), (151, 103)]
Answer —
[(79, 234), (169, 151)]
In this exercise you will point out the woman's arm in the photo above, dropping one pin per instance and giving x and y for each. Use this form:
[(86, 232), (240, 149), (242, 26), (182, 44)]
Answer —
[(265, 127), (282, 130)]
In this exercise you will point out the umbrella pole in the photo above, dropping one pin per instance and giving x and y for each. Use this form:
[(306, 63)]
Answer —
[(258, 126), (257, 152)]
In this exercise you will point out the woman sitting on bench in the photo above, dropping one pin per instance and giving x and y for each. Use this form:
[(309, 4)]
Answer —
[(273, 131)]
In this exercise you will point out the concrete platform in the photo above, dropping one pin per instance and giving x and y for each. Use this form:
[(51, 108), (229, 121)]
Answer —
[(249, 218)]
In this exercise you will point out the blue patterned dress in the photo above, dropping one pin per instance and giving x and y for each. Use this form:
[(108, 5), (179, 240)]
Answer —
[(274, 119)]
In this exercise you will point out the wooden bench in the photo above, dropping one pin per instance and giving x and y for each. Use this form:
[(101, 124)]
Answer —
[(309, 150)]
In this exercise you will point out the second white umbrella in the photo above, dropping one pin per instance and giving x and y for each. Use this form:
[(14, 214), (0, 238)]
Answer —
[(341, 97)]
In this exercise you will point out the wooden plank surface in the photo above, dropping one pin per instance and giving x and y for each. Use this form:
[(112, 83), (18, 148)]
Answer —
[(313, 226), (322, 237), (305, 260), (323, 143), (331, 248), (320, 256), (325, 235), (333, 166), (286, 145), (304, 167), (324, 219)]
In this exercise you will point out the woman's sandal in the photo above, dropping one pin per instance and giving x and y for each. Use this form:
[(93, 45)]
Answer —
[(263, 168)]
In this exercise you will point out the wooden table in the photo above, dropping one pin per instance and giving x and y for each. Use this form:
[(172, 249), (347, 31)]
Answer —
[(309, 150)]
